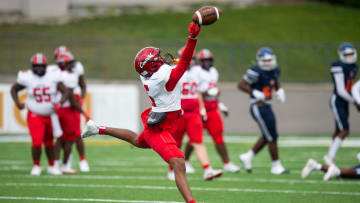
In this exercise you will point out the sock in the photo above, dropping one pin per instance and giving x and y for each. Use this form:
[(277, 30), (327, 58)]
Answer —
[(102, 130), (206, 166), (226, 162), (82, 158), (251, 154), (56, 163), (37, 163), (276, 163), (335, 145), (191, 201), (318, 166), (51, 163)]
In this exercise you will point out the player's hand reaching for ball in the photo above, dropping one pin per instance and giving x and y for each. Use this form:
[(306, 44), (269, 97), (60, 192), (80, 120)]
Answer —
[(194, 30)]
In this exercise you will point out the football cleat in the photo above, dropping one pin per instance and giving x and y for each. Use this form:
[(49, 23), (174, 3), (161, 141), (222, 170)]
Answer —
[(189, 168), (232, 168), (210, 174), (332, 172), (52, 170), (67, 170), (246, 161), (309, 167), (84, 166), (90, 129), (35, 171), (278, 170), (171, 175), (329, 161)]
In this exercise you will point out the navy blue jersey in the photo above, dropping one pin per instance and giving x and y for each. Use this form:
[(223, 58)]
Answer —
[(264, 81), (349, 71)]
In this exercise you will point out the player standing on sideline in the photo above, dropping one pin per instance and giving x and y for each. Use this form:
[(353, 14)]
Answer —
[(343, 73), (331, 171), (259, 82), (78, 70), (41, 86), (69, 113), (161, 84), (191, 122), (212, 117)]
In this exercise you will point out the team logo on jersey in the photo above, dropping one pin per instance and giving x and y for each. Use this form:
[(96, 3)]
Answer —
[(142, 64)]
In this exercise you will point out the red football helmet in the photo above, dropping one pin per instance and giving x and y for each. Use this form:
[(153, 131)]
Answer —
[(64, 59), (59, 50), (38, 64), (147, 61), (205, 58)]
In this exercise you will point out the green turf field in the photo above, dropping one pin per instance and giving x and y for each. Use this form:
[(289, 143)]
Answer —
[(124, 174), (304, 36)]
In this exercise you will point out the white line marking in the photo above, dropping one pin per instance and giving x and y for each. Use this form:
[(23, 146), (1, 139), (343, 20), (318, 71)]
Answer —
[(152, 187), (80, 200), (164, 178)]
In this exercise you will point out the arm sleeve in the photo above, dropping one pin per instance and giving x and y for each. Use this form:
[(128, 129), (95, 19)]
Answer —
[(340, 87), (21, 78), (79, 68), (183, 64), (251, 76), (355, 91)]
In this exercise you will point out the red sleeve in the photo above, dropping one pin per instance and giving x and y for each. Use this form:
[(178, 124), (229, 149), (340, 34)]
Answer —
[(182, 66)]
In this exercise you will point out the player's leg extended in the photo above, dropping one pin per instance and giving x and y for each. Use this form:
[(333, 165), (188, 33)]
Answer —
[(178, 164), (247, 157), (341, 114)]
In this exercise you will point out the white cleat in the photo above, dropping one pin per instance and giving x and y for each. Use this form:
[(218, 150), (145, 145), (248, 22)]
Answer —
[(278, 170), (332, 172), (67, 170), (329, 161), (210, 174), (171, 175), (358, 156), (231, 168), (84, 166), (246, 161), (90, 129), (53, 171), (189, 168), (35, 171), (309, 167)]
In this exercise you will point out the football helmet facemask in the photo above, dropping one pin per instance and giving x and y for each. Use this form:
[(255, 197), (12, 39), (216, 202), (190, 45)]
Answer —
[(347, 53), (38, 64), (266, 59), (65, 61)]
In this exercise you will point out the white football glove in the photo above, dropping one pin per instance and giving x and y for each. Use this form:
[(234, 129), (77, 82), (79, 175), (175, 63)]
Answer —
[(224, 109), (214, 91), (280, 95), (203, 114), (260, 96)]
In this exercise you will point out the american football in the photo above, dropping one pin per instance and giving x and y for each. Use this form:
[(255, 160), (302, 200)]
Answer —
[(206, 15)]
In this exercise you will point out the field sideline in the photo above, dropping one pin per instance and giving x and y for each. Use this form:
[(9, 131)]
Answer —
[(121, 173)]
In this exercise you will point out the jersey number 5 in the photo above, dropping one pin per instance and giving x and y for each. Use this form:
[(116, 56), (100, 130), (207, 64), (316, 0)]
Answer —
[(41, 94), (152, 99)]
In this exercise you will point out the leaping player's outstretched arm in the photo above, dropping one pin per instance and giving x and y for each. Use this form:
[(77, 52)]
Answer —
[(185, 57)]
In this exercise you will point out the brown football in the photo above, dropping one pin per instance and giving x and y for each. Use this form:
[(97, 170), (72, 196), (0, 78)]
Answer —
[(206, 15)]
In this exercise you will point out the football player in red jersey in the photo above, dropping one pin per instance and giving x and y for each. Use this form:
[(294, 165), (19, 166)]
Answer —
[(41, 86), (160, 81), (80, 93), (213, 121)]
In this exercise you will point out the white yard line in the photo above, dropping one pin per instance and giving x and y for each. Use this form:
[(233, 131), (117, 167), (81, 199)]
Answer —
[(164, 178), (150, 187), (80, 199)]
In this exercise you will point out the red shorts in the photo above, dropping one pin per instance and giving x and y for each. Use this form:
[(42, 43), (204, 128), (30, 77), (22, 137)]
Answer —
[(215, 126), (159, 137), (40, 129), (191, 123), (70, 123)]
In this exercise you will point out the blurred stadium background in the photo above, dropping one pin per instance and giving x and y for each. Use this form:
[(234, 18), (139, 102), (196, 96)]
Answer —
[(105, 35)]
